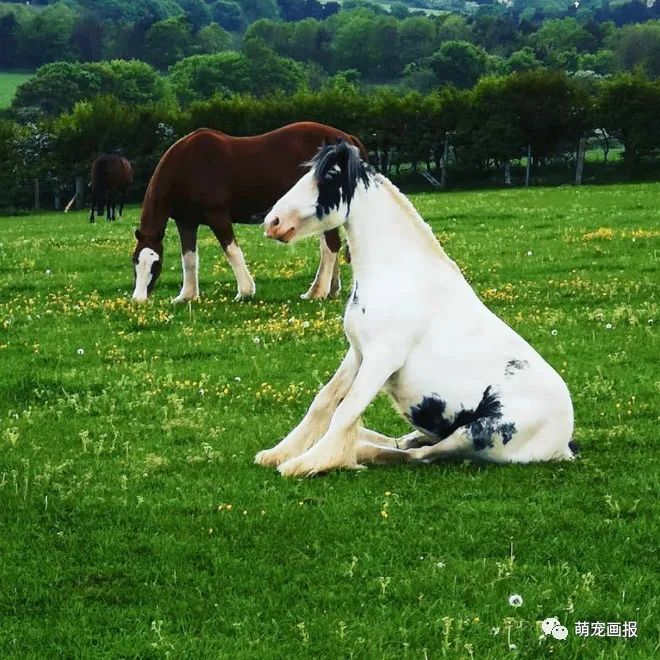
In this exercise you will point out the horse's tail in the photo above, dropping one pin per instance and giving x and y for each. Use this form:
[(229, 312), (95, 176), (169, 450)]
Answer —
[(99, 181), (363, 152)]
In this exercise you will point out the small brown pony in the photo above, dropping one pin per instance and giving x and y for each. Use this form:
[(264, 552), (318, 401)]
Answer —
[(112, 174), (209, 178)]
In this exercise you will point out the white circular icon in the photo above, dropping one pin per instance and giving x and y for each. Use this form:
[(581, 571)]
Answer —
[(549, 624), (560, 632)]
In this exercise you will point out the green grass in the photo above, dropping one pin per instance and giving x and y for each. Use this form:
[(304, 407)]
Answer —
[(134, 523), (9, 82)]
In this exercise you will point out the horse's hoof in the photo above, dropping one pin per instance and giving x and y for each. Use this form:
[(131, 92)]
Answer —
[(183, 299), (267, 458)]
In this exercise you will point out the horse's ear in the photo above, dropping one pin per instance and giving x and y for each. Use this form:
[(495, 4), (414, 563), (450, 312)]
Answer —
[(139, 235)]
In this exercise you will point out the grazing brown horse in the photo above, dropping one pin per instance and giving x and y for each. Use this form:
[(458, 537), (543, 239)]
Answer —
[(209, 178), (112, 174)]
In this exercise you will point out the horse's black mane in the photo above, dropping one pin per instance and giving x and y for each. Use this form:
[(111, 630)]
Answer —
[(338, 169)]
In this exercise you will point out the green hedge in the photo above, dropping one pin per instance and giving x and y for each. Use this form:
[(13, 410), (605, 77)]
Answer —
[(487, 126)]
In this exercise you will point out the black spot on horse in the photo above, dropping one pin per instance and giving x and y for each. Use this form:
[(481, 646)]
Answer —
[(515, 365), (338, 169), (481, 423), (354, 298), (574, 447)]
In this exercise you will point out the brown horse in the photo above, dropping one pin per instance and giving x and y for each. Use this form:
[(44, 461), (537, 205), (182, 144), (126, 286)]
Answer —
[(209, 178), (112, 174)]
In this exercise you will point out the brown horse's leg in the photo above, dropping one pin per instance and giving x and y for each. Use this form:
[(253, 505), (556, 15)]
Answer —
[(189, 262), (222, 228), (327, 282)]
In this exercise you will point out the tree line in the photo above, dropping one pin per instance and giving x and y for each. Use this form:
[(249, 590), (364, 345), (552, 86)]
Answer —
[(501, 120), (380, 45)]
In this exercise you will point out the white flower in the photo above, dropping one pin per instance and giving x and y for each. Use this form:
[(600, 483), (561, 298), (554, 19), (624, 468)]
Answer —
[(529, 253), (47, 271), (81, 351), (305, 324), (608, 326), (495, 630), (512, 647), (237, 379), (256, 340), (553, 332), (515, 600), (441, 564), (202, 392)]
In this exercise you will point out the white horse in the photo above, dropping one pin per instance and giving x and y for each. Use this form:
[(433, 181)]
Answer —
[(470, 386)]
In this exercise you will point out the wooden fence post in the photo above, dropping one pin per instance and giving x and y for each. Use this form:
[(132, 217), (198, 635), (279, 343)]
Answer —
[(579, 167), (529, 165), (37, 197)]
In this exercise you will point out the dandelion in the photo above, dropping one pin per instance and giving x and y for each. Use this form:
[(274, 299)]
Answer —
[(608, 326), (529, 253), (515, 600), (202, 392), (553, 332), (256, 340), (237, 379), (81, 351), (47, 271), (441, 564)]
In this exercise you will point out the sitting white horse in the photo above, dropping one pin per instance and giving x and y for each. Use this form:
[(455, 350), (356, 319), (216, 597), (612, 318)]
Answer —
[(469, 384)]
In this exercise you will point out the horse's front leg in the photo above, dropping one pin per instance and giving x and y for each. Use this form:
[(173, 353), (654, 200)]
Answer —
[(327, 282), (338, 446), (317, 419), (222, 227), (189, 263)]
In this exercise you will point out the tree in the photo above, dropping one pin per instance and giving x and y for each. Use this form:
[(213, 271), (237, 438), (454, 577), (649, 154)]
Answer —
[(56, 87), (399, 10), (364, 42), (523, 60), (213, 39), (134, 82), (45, 36), (201, 76), (167, 42), (459, 63), (638, 48), (8, 40), (559, 36), (628, 107), (87, 38), (198, 12), (228, 14), (270, 73), (255, 9), (415, 39)]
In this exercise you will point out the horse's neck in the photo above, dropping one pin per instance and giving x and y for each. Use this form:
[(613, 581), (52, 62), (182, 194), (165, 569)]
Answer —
[(384, 229), (154, 215)]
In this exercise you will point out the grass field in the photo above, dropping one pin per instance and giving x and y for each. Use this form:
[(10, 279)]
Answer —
[(134, 523), (8, 85)]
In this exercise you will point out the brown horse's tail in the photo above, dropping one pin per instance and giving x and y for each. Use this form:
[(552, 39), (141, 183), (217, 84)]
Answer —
[(361, 147), (99, 182)]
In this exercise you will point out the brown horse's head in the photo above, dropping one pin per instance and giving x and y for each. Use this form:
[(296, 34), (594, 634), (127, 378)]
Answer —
[(147, 263)]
